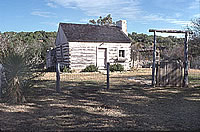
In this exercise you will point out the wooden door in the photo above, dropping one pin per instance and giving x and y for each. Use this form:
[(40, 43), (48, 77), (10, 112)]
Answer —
[(101, 58)]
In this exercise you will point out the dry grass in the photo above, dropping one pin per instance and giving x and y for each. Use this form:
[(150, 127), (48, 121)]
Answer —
[(84, 104), (194, 78)]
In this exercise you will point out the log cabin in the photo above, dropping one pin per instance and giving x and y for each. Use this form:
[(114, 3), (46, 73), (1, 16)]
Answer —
[(80, 45)]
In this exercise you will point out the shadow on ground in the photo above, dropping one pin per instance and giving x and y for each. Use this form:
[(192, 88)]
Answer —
[(87, 105)]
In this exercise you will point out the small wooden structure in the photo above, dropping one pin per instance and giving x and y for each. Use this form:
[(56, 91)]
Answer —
[(169, 73), (81, 45), (187, 33)]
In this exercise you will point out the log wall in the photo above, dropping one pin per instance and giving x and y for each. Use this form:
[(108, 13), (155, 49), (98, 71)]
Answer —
[(62, 48), (82, 54)]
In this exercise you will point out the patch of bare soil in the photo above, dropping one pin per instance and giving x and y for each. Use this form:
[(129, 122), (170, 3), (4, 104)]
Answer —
[(88, 106)]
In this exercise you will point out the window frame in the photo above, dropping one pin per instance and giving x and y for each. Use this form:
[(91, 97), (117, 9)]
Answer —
[(121, 53), (120, 57)]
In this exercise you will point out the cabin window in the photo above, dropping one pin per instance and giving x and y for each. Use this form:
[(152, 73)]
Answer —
[(121, 53)]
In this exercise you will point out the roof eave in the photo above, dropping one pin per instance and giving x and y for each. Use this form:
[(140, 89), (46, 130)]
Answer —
[(103, 41)]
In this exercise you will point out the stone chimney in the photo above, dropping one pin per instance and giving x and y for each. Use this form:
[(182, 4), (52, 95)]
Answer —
[(123, 25)]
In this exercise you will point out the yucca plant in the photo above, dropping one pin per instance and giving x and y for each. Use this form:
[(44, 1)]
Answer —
[(19, 73)]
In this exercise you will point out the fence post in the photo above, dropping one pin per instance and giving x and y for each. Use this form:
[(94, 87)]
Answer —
[(58, 77), (185, 80), (154, 60), (108, 69)]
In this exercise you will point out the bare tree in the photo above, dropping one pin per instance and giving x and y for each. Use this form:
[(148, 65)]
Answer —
[(194, 43)]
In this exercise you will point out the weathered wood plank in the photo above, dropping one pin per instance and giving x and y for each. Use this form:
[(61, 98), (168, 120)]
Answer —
[(81, 61), (154, 59), (60, 59), (170, 74), (170, 31), (82, 53)]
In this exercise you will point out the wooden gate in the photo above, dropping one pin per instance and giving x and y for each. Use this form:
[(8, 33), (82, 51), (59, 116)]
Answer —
[(169, 73)]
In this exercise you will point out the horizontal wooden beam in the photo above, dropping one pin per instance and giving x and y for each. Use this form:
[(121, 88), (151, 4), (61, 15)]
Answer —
[(170, 31)]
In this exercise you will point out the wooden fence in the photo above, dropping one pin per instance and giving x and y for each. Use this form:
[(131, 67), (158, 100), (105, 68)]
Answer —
[(169, 73)]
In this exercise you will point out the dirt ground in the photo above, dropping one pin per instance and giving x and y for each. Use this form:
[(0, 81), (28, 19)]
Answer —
[(85, 105)]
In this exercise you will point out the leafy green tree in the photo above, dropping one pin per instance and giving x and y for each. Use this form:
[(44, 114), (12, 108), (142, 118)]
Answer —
[(21, 54), (92, 21), (37, 43), (102, 21), (147, 40)]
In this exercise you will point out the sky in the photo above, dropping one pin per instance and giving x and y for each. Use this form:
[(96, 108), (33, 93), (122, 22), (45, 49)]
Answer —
[(141, 15)]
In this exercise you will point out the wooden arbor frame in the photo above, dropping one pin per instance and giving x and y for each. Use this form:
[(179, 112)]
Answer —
[(187, 33)]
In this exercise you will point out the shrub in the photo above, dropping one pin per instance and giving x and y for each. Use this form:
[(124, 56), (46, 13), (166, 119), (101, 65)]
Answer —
[(66, 69), (90, 68), (116, 67)]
